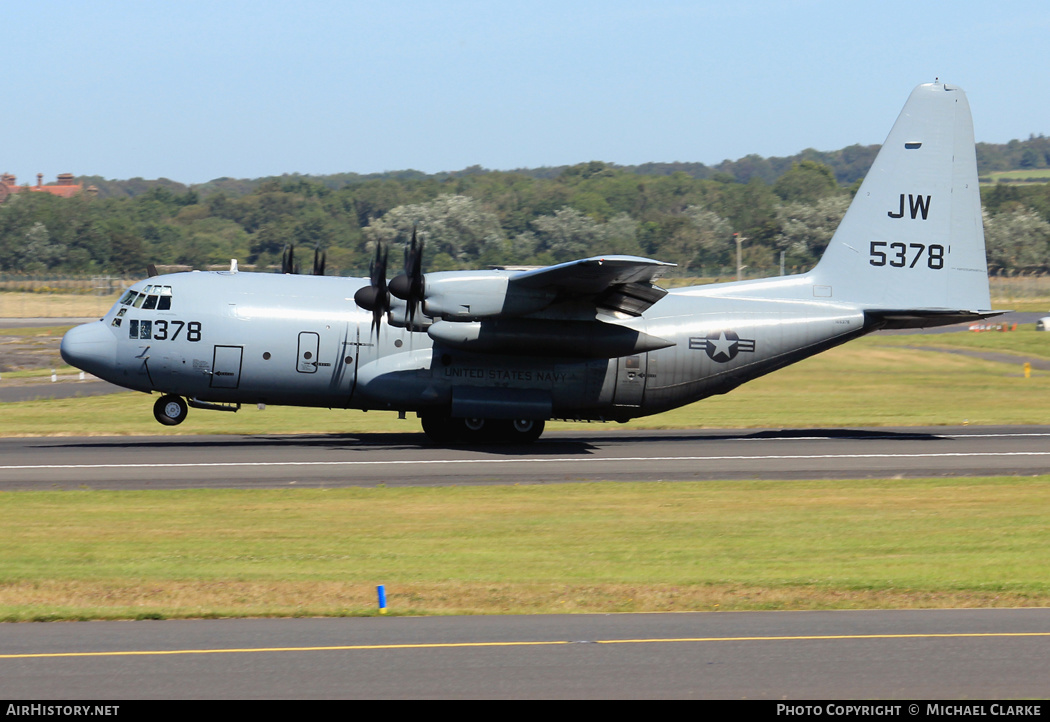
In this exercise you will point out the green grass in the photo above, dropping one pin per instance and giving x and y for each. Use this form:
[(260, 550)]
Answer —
[(1025, 342), (34, 331), (575, 547), (1032, 176), (15, 304), (61, 370)]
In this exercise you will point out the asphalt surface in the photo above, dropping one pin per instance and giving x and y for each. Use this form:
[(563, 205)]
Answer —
[(42, 322), (894, 655), (63, 389), (337, 460)]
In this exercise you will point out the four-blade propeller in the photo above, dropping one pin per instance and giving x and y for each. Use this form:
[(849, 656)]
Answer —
[(408, 286), (289, 264), (375, 297)]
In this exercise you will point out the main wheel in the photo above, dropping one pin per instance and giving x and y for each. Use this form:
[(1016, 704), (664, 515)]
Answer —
[(515, 431), (170, 410), (442, 429), (525, 431)]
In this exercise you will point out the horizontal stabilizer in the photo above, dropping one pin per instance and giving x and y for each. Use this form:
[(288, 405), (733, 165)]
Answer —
[(878, 319)]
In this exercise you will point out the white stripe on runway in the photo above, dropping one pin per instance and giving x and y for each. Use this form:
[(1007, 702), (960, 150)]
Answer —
[(534, 460)]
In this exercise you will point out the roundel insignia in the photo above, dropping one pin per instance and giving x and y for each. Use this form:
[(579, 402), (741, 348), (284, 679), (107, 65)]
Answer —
[(722, 346)]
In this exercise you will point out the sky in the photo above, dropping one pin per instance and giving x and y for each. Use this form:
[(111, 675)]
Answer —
[(203, 89)]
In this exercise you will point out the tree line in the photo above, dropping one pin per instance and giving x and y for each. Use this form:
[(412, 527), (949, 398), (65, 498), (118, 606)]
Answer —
[(683, 213)]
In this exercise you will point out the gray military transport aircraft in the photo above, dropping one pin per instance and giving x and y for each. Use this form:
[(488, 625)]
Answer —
[(491, 355)]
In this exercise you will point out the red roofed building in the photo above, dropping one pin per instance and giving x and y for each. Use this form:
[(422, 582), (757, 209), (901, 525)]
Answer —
[(64, 188)]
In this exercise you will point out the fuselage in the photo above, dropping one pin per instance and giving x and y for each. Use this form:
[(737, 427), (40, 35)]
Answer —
[(233, 337)]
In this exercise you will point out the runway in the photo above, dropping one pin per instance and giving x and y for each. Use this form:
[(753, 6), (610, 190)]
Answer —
[(888, 655), (336, 460), (930, 654)]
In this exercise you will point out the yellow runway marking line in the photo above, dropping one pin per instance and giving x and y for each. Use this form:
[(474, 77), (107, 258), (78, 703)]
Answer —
[(461, 645)]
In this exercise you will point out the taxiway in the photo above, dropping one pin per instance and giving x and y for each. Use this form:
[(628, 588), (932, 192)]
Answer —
[(927, 654)]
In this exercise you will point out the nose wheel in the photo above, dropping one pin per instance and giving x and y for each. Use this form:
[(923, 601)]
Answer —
[(170, 410)]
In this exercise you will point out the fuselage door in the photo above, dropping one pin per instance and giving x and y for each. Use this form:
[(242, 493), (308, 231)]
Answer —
[(309, 342), (226, 367), (630, 380)]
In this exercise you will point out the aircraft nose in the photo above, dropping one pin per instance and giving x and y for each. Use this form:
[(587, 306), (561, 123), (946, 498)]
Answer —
[(90, 347)]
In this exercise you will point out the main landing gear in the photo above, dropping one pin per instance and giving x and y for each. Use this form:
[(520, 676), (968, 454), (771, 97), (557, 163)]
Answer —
[(445, 430), (170, 410)]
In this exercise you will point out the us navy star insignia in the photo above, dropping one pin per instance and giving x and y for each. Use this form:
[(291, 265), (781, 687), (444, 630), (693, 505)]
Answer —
[(722, 346)]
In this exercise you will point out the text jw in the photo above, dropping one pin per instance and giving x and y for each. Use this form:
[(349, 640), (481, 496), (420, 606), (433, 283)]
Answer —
[(916, 204)]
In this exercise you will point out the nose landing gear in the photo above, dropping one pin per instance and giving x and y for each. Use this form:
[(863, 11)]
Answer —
[(170, 410)]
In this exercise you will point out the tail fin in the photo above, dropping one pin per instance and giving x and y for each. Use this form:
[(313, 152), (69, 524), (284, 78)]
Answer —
[(913, 240)]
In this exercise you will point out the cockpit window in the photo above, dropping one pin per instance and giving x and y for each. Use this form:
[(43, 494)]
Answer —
[(149, 298), (140, 329)]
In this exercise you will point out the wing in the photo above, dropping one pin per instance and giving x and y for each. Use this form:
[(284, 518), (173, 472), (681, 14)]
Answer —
[(578, 288), (616, 283), (552, 311)]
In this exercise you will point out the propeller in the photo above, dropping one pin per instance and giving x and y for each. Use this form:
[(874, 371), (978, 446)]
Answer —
[(288, 259), (289, 264), (319, 261), (409, 286), (375, 297)]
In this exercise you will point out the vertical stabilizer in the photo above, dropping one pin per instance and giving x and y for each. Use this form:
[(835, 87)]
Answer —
[(913, 239)]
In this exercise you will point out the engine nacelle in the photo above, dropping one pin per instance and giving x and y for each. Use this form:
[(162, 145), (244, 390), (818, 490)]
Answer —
[(470, 295)]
